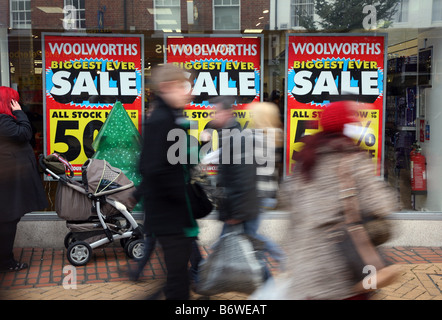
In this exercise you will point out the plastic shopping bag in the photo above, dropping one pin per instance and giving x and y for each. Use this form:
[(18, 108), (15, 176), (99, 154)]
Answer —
[(232, 266)]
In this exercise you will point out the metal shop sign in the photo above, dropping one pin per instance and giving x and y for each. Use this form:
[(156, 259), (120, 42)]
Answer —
[(324, 69), (83, 77), (218, 65)]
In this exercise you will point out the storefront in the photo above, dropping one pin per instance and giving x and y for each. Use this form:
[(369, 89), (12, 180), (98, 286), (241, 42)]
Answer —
[(243, 48)]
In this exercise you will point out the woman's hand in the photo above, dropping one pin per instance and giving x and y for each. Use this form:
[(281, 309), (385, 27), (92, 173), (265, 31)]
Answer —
[(15, 105)]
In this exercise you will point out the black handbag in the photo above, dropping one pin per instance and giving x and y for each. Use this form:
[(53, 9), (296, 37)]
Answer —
[(199, 202)]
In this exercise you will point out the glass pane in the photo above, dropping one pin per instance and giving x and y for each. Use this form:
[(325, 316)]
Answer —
[(437, 10), (169, 21), (404, 13), (14, 5), (226, 18), (218, 2), (28, 5), (21, 6), (235, 2)]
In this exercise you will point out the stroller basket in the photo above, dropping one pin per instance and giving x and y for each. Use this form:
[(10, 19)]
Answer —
[(72, 202)]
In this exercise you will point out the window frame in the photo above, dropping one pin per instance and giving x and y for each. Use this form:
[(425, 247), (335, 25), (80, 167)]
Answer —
[(79, 21), (155, 6), (292, 12), (13, 22), (226, 6), (400, 13)]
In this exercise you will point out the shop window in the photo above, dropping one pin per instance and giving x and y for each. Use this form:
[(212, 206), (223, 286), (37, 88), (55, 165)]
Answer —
[(301, 8), (226, 15), (167, 15), (437, 11), (21, 14), (401, 14), (74, 14)]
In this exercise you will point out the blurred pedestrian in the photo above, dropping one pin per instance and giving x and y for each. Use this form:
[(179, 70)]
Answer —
[(236, 177), (167, 215), (268, 150), (268, 146), (317, 268), (21, 188), (239, 203)]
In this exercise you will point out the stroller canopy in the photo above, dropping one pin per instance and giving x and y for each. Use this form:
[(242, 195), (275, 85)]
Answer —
[(100, 178)]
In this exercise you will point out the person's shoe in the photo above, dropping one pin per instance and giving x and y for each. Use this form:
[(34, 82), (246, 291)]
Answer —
[(14, 266)]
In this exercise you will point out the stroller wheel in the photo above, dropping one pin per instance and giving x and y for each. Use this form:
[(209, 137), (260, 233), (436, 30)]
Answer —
[(135, 249), (123, 242), (79, 253), (68, 239)]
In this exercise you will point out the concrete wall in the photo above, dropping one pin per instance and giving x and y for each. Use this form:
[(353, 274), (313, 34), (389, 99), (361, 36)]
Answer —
[(410, 229)]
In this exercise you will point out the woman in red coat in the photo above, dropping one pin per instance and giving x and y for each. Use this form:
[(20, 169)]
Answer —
[(21, 189)]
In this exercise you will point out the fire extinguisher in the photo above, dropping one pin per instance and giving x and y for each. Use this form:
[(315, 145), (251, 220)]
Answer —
[(418, 171)]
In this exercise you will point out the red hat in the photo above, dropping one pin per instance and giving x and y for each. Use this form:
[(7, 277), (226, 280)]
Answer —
[(336, 115)]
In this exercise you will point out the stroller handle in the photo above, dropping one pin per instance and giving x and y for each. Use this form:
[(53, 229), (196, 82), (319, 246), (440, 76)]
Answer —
[(66, 164), (41, 163)]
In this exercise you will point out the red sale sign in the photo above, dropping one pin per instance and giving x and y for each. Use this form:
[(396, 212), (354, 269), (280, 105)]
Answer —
[(83, 77), (219, 66), (324, 69), (229, 66)]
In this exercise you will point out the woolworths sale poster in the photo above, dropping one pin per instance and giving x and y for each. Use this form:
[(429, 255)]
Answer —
[(323, 69), (83, 77), (220, 65)]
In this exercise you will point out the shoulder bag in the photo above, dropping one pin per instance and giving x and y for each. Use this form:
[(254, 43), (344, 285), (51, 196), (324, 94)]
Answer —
[(368, 268)]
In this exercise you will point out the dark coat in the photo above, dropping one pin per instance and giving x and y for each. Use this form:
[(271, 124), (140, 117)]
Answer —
[(237, 178), (21, 188), (164, 184)]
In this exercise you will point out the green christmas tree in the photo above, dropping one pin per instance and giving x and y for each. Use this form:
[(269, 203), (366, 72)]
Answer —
[(119, 143)]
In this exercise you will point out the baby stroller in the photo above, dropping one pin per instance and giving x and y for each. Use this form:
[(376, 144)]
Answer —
[(96, 210)]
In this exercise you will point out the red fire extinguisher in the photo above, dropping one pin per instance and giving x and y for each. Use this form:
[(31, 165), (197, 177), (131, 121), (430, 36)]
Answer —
[(418, 171)]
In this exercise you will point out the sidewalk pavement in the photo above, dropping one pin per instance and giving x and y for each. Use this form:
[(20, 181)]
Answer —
[(105, 277)]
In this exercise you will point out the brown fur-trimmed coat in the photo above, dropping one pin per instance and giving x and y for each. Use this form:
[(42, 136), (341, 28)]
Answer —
[(316, 269)]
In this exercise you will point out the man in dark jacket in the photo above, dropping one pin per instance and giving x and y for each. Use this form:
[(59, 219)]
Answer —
[(168, 216), (237, 168), (239, 204)]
